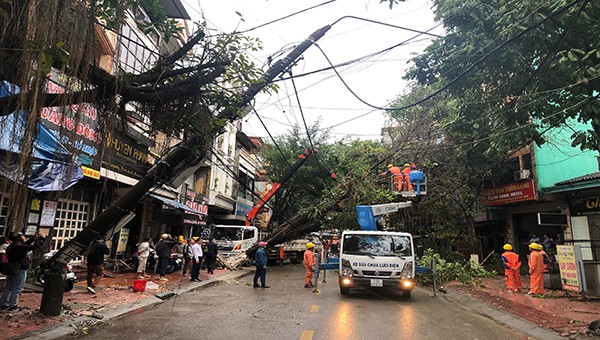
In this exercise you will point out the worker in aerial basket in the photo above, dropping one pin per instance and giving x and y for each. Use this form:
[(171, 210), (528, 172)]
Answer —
[(309, 264), (396, 176), (406, 185), (512, 264)]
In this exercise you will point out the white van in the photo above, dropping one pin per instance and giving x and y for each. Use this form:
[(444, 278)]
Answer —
[(234, 239), (377, 259)]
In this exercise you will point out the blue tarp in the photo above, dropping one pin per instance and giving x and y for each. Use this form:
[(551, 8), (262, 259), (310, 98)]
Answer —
[(53, 167)]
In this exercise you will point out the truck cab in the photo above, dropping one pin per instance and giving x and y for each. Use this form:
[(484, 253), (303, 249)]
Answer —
[(376, 259), (234, 239)]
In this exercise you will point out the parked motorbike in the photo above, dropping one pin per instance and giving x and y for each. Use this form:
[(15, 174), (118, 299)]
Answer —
[(70, 280), (175, 263)]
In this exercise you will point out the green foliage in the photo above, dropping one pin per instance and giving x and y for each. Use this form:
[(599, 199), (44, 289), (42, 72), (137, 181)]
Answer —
[(549, 73), (456, 269), (312, 189)]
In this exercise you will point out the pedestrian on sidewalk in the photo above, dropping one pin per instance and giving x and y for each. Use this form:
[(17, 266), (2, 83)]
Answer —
[(309, 264), (536, 269), (211, 256), (512, 264), (143, 252), (261, 266), (163, 250), (95, 264), (197, 260), (18, 263), (187, 257)]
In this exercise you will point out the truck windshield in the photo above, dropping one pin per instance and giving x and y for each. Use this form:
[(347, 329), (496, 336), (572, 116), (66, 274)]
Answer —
[(228, 234), (377, 245)]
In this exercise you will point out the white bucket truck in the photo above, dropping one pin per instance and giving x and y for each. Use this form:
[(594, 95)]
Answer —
[(371, 258)]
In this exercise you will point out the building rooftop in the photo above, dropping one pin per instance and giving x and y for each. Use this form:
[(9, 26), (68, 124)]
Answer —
[(588, 177)]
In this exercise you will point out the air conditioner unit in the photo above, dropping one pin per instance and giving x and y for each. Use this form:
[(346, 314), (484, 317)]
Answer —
[(521, 174)]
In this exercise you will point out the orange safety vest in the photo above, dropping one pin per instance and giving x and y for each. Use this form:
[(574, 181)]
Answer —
[(511, 260), (309, 259)]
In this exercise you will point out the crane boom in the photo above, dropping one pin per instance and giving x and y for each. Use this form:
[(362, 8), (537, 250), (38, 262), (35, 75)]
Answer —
[(276, 185)]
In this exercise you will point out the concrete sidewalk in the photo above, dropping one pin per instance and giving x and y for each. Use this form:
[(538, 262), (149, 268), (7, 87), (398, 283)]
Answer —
[(553, 314), (114, 299)]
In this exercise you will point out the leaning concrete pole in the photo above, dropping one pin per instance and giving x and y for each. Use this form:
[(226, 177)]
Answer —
[(55, 267), (179, 158)]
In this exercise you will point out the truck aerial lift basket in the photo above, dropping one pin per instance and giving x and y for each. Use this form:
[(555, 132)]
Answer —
[(416, 186)]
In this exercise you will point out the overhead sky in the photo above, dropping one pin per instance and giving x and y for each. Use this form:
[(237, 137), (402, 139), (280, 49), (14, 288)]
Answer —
[(323, 97)]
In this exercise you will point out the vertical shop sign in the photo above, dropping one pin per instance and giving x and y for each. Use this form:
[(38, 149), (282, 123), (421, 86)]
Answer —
[(571, 268), (123, 238)]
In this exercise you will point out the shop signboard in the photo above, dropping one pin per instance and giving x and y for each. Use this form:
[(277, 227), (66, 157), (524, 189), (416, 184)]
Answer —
[(124, 155), (123, 238), (75, 126), (583, 206), (242, 209), (571, 268), (200, 205), (510, 193)]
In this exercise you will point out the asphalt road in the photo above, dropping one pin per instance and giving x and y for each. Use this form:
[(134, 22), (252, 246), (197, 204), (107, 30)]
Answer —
[(235, 310)]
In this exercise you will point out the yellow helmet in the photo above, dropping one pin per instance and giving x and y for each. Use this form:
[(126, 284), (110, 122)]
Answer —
[(310, 245), (407, 164), (390, 165), (535, 246), (507, 247)]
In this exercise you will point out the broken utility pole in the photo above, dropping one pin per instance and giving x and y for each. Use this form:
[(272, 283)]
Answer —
[(179, 158)]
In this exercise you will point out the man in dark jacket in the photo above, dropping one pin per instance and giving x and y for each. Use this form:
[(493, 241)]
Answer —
[(211, 255), (163, 251), (261, 265), (95, 264), (17, 256)]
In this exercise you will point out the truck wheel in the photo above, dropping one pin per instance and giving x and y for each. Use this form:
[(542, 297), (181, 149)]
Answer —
[(406, 294), (271, 262), (295, 260), (344, 290)]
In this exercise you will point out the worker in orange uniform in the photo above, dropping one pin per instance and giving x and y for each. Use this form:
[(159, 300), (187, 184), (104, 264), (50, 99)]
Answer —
[(536, 269), (512, 263), (309, 264), (407, 186), (396, 175)]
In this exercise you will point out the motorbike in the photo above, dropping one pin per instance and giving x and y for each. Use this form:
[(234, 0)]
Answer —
[(175, 263), (70, 280)]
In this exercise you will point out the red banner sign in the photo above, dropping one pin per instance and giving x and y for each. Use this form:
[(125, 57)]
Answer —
[(510, 193)]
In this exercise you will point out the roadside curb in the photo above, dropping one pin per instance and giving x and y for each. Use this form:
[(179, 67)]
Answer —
[(75, 325), (468, 302)]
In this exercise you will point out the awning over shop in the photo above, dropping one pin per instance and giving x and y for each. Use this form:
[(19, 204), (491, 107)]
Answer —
[(52, 167), (177, 205)]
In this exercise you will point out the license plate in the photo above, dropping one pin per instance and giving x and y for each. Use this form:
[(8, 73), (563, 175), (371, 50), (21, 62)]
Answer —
[(376, 283)]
